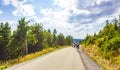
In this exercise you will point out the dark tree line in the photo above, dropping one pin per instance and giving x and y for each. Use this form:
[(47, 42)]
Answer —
[(28, 39)]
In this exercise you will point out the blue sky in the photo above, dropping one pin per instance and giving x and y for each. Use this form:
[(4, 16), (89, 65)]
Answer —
[(70, 17)]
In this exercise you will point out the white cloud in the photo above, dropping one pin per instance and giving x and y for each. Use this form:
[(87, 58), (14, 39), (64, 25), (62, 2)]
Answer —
[(24, 10), (55, 22), (89, 29), (85, 20), (69, 4), (1, 12), (117, 13), (96, 10), (98, 2), (80, 11), (10, 22), (15, 3), (33, 19), (62, 15), (103, 19), (46, 11), (58, 16)]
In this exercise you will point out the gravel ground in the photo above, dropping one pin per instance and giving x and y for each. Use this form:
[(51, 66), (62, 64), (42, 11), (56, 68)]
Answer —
[(88, 63)]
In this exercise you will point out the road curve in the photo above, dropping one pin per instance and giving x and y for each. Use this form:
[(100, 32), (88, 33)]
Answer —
[(64, 59)]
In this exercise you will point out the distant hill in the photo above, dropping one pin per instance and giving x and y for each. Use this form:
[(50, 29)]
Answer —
[(77, 40)]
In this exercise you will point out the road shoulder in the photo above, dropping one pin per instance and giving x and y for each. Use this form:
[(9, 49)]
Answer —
[(89, 64)]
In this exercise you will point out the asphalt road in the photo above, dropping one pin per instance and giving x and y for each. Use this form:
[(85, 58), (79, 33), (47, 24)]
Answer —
[(64, 59)]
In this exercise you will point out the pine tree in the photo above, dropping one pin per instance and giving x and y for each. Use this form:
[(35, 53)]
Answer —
[(54, 36), (5, 33), (18, 43), (60, 40), (69, 40), (116, 24), (35, 38)]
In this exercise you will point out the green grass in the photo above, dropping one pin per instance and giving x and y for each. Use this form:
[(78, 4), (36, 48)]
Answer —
[(27, 57)]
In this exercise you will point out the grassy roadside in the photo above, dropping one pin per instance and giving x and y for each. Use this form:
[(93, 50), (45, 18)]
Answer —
[(92, 51), (27, 57)]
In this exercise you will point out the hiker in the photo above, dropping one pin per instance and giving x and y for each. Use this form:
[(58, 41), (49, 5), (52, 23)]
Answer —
[(77, 45)]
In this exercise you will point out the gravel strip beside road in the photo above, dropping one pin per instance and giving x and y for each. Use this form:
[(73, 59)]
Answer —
[(89, 64)]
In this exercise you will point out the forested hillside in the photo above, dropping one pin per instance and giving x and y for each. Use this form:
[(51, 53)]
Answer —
[(28, 39), (105, 45)]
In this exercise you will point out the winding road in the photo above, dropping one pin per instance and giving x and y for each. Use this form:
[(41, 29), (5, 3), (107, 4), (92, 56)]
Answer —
[(64, 59)]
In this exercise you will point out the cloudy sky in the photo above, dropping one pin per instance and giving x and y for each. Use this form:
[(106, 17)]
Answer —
[(70, 17)]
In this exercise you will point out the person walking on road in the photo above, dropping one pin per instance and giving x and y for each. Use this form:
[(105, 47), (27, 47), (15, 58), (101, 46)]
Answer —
[(77, 45)]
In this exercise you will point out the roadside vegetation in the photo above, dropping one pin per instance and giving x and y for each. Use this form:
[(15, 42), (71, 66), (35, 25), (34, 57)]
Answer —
[(27, 42), (104, 47)]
